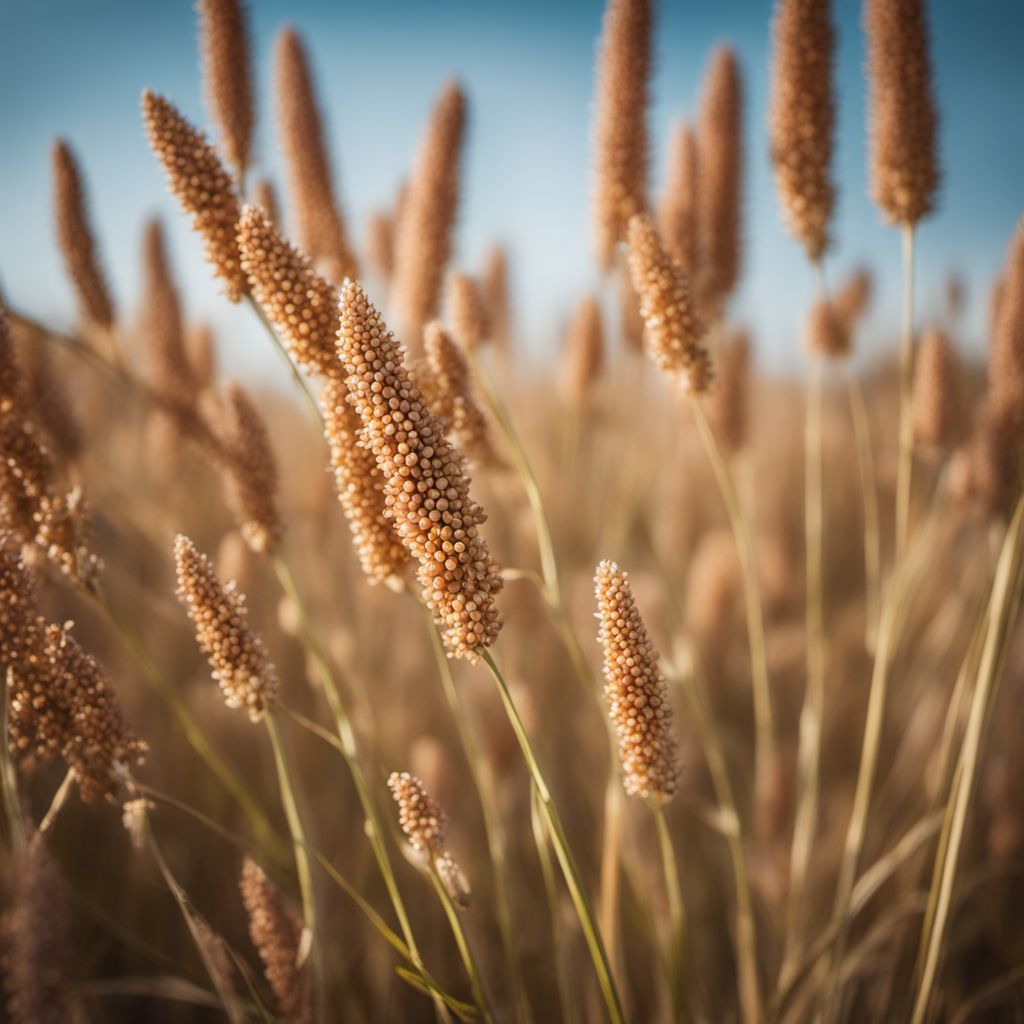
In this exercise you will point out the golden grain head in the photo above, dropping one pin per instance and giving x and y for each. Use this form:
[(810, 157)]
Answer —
[(826, 332), (1006, 363), (467, 313), (729, 400), (677, 211), (420, 815), (584, 353)]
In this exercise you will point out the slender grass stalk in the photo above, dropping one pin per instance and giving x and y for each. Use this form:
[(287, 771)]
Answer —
[(676, 916), (1002, 614), (57, 802), (904, 477), (872, 531), (8, 776), (611, 855), (559, 841)]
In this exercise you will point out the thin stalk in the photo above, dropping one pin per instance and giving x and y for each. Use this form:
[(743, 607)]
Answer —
[(8, 776), (1005, 591), (812, 712), (493, 830), (611, 856), (57, 802), (760, 686), (872, 530), (905, 469), (560, 842), (676, 916), (462, 943)]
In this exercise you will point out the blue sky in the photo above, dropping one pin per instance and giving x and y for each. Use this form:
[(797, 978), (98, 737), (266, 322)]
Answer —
[(77, 69)]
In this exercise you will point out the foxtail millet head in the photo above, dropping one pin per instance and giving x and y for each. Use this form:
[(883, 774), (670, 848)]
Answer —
[(677, 211), (935, 405), (584, 353), (728, 403), (466, 312)]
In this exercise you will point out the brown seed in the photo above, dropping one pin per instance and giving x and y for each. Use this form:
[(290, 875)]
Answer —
[(677, 213), (936, 395), (728, 401), (584, 354), (467, 313)]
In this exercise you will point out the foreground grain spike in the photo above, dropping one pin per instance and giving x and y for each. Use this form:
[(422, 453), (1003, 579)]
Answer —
[(936, 395), (802, 119), (675, 333), (319, 225), (35, 940), (677, 212), (426, 488), (236, 654), (584, 354), (451, 397), (425, 226), (203, 187), (276, 929), (637, 695), (76, 240), (227, 77), (301, 305), (620, 128), (252, 471), (904, 165), (720, 177), (467, 313), (729, 401)]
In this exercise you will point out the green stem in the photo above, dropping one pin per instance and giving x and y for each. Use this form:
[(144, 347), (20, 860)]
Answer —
[(676, 916), (560, 842), (904, 476)]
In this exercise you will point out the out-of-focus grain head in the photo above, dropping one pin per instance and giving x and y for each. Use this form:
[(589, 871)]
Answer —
[(11, 383), (227, 78), (714, 590), (903, 121), (201, 184), (636, 693), (319, 225), (584, 354), (423, 821), (728, 401), (301, 305), (675, 332), (35, 940), (1006, 362), (802, 118), (425, 484), (361, 490), (276, 931), (236, 654), (851, 301), (76, 240), (466, 311), (956, 295), (264, 195), (201, 349), (424, 229), (677, 211), (47, 398), (497, 300), (380, 244), (620, 126), (720, 178), (990, 474), (825, 333), (936, 409), (251, 471)]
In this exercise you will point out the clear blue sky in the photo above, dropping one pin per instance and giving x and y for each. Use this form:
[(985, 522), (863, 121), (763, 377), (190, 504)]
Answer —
[(77, 69)]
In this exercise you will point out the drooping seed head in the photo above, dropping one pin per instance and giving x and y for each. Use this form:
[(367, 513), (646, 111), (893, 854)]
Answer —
[(584, 353), (903, 120), (677, 212), (236, 654), (361, 490), (635, 691), (319, 225), (935, 405), (227, 78), (675, 332), (302, 305), (425, 485), (728, 402), (802, 118), (201, 184), (620, 128), (76, 240)]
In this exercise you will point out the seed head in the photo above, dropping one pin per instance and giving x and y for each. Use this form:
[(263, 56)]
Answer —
[(584, 353), (46, 397), (224, 41), (826, 333), (467, 313), (76, 241), (936, 395), (494, 285), (202, 186), (620, 128), (675, 333), (851, 301), (635, 690), (264, 195), (236, 654), (301, 305), (426, 488), (727, 403), (1006, 364), (380, 244), (419, 814), (903, 120), (803, 118), (677, 213), (201, 347), (319, 226)]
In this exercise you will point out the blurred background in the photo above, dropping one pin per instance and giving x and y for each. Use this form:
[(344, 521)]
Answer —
[(68, 68)]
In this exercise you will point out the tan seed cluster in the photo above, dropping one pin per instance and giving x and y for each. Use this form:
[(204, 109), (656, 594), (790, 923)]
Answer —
[(826, 333), (677, 212), (803, 117), (728, 402), (202, 186), (851, 301), (76, 241), (47, 398), (467, 312), (236, 654), (675, 333), (426, 488), (419, 814), (635, 691), (319, 225), (620, 128), (423, 241), (275, 928), (584, 353), (903, 120), (201, 349), (495, 287), (1006, 366), (302, 306), (380, 244), (936, 395), (224, 42)]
